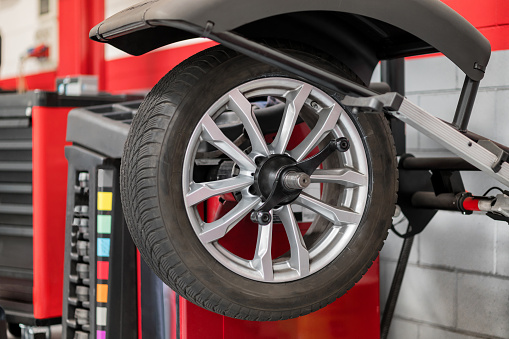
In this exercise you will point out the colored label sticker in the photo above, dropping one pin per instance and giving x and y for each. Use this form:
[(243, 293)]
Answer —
[(103, 268), (100, 316), (104, 201), (102, 293), (101, 334), (103, 224), (103, 247), (104, 178)]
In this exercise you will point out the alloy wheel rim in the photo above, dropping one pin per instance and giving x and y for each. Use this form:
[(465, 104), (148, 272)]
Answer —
[(345, 181)]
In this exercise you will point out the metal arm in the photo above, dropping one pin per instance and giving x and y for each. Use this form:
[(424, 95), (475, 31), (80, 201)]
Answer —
[(465, 104)]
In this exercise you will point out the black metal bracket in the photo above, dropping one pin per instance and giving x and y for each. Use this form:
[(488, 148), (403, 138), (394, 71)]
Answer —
[(447, 182), (411, 181)]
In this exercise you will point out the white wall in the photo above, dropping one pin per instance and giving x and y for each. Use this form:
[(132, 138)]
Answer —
[(22, 27)]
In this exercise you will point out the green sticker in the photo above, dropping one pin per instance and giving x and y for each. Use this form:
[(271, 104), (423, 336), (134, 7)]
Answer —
[(104, 224)]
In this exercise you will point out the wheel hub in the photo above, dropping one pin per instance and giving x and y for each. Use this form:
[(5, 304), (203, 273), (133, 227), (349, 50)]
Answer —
[(270, 170), (279, 179), (296, 180)]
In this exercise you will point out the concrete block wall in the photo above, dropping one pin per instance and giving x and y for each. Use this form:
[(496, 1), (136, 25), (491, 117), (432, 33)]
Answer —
[(457, 281)]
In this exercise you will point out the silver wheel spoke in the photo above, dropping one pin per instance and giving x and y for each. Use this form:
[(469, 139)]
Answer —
[(343, 176), (262, 261), (339, 216), (217, 229), (213, 135), (204, 190), (299, 259), (242, 107), (327, 120), (294, 101)]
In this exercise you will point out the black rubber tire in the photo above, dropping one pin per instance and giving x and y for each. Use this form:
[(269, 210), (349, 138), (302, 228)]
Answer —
[(153, 203)]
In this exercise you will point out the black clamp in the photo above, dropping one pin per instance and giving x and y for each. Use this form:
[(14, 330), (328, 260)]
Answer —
[(208, 29), (502, 155), (460, 199), (279, 193)]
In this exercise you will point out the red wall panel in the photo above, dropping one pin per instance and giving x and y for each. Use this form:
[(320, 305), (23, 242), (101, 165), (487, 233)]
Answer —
[(43, 81), (77, 53), (143, 72), (486, 13)]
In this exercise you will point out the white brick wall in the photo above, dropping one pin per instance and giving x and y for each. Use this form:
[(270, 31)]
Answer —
[(457, 282)]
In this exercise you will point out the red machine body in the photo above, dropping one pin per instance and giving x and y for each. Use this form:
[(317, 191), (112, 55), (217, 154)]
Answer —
[(356, 315), (49, 201)]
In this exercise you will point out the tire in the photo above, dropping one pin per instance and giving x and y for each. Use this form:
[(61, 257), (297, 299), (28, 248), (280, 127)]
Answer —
[(166, 160)]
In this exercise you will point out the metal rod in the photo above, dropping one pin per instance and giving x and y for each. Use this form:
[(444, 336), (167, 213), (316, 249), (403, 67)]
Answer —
[(274, 57), (465, 104), (399, 274), (428, 200), (441, 164)]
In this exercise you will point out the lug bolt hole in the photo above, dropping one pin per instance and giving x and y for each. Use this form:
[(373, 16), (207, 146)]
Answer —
[(252, 190)]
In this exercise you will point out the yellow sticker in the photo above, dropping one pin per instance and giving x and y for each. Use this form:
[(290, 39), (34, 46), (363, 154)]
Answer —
[(104, 201)]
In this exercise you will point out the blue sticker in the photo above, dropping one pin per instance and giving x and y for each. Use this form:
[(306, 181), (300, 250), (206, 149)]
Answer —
[(103, 247)]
